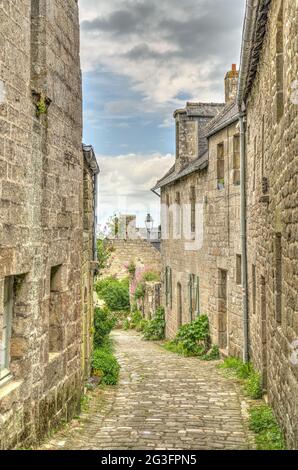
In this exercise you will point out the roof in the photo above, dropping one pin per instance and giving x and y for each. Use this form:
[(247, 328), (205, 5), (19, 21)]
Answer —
[(195, 165), (255, 24), (90, 158), (227, 116)]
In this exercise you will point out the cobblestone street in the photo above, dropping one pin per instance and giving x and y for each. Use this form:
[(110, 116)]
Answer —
[(163, 401)]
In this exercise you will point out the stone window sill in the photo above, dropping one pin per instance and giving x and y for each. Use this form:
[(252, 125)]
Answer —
[(9, 387), (5, 376)]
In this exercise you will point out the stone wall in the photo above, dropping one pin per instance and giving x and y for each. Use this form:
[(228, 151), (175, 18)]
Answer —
[(41, 203), (89, 267), (218, 220), (272, 142), (123, 252)]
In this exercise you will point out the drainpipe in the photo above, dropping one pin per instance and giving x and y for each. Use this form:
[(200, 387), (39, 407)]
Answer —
[(243, 237)]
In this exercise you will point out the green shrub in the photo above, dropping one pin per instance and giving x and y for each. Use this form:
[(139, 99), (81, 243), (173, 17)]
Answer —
[(263, 423), (212, 355), (134, 320), (192, 339), (140, 291), (154, 329), (151, 276), (141, 325), (105, 364), (132, 269), (104, 322), (114, 292)]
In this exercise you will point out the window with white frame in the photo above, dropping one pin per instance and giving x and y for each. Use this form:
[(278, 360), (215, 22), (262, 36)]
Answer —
[(6, 313)]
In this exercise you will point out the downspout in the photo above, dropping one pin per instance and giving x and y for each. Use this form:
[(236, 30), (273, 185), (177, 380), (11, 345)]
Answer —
[(243, 238)]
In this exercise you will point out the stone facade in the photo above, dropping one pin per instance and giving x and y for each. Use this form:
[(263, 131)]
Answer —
[(89, 256), (272, 213), (204, 277), (41, 222)]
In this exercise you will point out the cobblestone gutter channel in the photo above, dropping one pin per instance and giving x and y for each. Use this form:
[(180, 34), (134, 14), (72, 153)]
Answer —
[(163, 401)]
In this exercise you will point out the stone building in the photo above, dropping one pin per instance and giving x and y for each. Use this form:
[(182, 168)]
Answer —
[(128, 245), (242, 271), (200, 196), (41, 218), (89, 256), (268, 99)]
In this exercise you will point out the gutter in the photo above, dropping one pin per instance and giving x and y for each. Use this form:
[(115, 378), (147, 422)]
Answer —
[(156, 193), (252, 8)]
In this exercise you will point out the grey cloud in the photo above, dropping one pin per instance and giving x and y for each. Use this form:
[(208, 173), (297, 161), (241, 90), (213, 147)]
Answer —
[(123, 22)]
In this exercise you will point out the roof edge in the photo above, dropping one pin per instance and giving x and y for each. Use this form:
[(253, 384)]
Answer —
[(90, 158)]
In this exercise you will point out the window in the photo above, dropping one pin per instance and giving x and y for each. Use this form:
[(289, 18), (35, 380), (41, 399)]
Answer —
[(178, 214), (280, 64), (278, 278), (55, 313), (220, 166), (193, 209), (236, 160), (168, 275), (238, 270), (6, 322)]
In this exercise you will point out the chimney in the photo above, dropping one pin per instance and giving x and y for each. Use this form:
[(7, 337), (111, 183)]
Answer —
[(231, 84)]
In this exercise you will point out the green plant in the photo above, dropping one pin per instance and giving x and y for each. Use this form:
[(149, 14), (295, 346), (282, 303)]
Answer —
[(104, 322), (114, 292), (253, 385), (104, 252), (140, 291), (212, 355), (131, 269), (104, 362), (154, 329), (263, 423), (193, 338), (41, 106), (150, 276), (142, 325), (245, 372)]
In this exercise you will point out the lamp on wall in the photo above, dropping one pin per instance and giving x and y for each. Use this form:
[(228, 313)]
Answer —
[(149, 225)]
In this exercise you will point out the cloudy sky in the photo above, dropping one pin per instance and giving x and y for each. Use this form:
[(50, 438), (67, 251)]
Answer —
[(141, 60)]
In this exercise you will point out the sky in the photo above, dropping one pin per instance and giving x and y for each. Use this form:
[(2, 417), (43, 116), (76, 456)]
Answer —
[(141, 60)]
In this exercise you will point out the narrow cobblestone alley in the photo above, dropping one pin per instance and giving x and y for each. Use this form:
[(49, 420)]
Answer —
[(163, 401)]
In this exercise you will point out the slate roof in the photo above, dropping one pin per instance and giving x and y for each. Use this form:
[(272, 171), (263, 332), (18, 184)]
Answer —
[(197, 164), (227, 116)]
